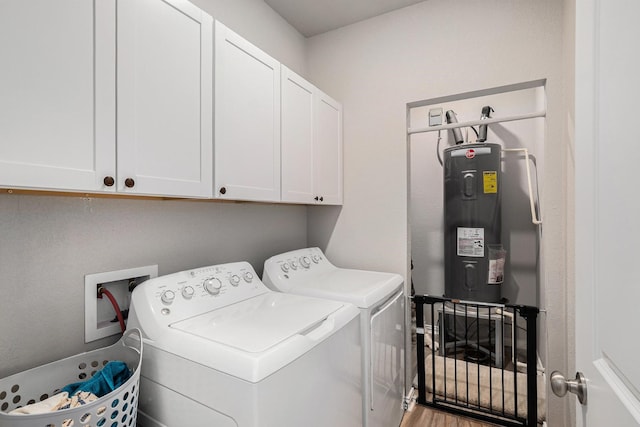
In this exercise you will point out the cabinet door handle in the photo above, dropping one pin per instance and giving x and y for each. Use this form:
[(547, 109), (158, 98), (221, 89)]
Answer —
[(109, 181), (129, 182), (321, 199), (316, 198), (223, 190)]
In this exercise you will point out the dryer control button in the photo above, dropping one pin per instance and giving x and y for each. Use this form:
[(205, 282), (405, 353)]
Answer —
[(294, 265), (315, 258), (168, 296), (213, 285), (285, 267), (248, 277), (305, 262), (234, 280)]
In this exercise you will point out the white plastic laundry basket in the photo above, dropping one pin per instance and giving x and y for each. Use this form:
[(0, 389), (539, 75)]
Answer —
[(116, 409)]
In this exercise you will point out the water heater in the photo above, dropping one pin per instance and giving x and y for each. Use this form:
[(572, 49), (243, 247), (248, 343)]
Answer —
[(474, 257)]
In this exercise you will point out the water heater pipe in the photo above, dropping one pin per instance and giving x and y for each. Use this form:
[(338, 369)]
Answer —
[(451, 118), (534, 218)]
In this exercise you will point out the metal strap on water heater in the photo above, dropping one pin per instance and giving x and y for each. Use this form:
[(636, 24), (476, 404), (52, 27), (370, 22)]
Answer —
[(534, 217)]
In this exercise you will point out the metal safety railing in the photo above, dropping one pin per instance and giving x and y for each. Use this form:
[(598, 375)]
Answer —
[(479, 360)]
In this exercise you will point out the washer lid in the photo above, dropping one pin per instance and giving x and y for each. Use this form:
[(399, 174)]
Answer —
[(260, 323), (362, 288)]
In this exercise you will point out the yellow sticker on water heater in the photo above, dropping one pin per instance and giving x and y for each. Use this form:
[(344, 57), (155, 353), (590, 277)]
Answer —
[(490, 182)]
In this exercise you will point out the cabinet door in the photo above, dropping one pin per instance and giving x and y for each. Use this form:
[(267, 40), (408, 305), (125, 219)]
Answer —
[(57, 94), (164, 98), (297, 138), (327, 150), (247, 120)]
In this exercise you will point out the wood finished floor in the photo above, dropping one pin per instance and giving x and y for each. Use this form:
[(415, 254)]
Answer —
[(421, 416)]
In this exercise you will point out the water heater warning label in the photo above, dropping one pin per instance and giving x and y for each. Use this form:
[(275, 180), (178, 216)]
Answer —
[(471, 242), (496, 271), (490, 181)]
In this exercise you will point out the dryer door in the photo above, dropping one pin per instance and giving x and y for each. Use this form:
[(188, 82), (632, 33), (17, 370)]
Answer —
[(387, 363)]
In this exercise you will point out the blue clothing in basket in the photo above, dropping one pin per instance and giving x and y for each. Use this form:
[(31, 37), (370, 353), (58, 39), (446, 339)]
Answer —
[(109, 378)]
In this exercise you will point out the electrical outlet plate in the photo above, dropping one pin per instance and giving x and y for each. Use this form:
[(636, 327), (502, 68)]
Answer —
[(99, 312), (435, 116)]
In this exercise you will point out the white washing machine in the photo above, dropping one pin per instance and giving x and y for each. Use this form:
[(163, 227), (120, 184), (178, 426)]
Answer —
[(221, 349), (379, 297)]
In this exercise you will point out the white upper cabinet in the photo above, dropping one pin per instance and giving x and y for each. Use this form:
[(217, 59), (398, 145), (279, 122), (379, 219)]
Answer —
[(327, 150), (311, 143), (57, 93), (297, 138), (247, 120), (67, 97), (164, 98), (120, 96)]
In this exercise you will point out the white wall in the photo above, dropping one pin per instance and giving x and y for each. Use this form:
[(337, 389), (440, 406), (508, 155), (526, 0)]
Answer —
[(435, 48), (48, 244), (257, 22)]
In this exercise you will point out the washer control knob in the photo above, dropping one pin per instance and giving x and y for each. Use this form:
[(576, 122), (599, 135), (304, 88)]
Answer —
[(285, 267), (234, 280), (248, 277), (168, 296), (305, 261), (315, 258), (294, 265), (213, 285), (188, 291)]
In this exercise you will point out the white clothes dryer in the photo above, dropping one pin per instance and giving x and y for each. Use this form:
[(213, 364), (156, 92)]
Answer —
[(380, 299), (221, 349)]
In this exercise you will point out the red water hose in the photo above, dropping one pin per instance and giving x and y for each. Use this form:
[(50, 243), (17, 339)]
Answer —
[(114, 303)]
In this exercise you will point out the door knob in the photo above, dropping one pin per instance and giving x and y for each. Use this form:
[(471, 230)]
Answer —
[(129, 182), (560, 386)]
